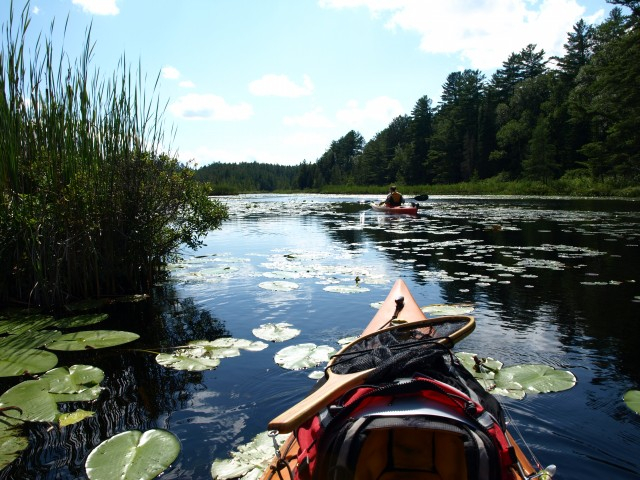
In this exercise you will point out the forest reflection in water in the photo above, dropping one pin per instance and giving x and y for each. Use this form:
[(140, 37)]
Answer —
[(551, 281)]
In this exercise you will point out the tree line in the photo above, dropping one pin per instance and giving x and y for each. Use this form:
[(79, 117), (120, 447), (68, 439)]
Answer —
[(535, 118)]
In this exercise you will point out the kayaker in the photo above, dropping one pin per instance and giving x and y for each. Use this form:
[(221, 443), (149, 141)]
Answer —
[(394, 199)]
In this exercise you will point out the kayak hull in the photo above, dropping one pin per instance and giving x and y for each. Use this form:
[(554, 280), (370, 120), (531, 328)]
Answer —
[(400, 210), (399, 307)]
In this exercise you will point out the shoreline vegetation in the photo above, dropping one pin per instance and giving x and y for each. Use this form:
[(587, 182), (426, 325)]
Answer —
[(92, 204), (564, 187)]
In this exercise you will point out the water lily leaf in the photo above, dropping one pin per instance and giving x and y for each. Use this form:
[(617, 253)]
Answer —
[(305, 355), (316, 375), (86, 395), (248, 461), (182, 362), (30, 339), (75, 379), (92, 339), (279, 286), (12, 441), (632, 399), (14, 362), (536, 378), (345, 289), (485, 371), (440, 309), (81, 320), (347, 340), (33, 398), (73, 417), (23, 323), (276, 332), (133, 455)]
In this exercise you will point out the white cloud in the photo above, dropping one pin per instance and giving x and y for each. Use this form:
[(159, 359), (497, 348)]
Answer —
[(483, 32), (313, 119), (186, 84), (98, 7), (170, 72), (209, 107), (379, 111), (36, 10), (280, 86), (205, 155)]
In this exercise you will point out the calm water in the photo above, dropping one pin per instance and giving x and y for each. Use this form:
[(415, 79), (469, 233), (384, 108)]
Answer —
[(552, 281)]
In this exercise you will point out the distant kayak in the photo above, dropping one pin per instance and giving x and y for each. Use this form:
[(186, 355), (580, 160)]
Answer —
[(400, 210)]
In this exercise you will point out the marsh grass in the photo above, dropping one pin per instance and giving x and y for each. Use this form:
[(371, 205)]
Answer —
[(91, 205)]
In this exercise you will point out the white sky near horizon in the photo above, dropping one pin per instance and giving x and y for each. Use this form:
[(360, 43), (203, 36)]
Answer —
[(276, 81)]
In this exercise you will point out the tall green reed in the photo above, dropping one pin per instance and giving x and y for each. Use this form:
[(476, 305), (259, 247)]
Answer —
[(91, 205)]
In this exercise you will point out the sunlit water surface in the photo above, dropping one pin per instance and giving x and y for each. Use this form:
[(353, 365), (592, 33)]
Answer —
[(552, 281)]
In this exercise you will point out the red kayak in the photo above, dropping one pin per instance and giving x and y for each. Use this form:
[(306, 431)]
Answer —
[(400, 210)]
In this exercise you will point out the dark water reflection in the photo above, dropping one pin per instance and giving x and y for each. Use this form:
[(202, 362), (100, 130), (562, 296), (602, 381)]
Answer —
[(553, 281)]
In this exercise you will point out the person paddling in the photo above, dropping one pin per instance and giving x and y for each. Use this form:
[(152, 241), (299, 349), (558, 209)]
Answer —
[(394, 199)]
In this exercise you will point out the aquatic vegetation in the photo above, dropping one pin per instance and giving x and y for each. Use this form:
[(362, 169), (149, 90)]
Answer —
[(249, 460), (199, 355), (304, 355), (91, 339), (517, 380), (133, 455), (276, 332), (632, 400)]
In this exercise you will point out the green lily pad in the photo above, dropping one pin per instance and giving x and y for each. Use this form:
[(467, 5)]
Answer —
[(23, 323), (30, 339), (201, 355), (248, 461), (92, 339), (75, 379), (276, 332), (485, 371), (304, 355), (632, 399), (347, 289), (81, 320), (15, 362), (66, 419), (133, 455), (536, 378), (183, 362), (279, 286), (12, 441), (440, 309), (34, 401)]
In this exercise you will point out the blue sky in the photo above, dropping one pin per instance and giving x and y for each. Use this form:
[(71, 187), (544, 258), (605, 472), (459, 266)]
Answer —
[(276, 81)]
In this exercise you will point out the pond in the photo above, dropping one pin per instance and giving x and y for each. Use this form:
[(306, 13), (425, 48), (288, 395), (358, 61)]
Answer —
[(551, 281)]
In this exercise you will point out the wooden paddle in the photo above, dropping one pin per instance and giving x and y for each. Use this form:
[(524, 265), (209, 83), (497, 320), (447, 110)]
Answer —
[(338, 384)]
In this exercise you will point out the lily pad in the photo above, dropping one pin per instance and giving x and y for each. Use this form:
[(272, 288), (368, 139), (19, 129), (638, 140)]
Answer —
[(347, 289), (485, 371), (23, 323), (34, 401), (30, 339), (536, 378), (632, 399), (66, 419), (133, 455), (12, 441), (249, 461), (440, 309), (279, 286), (200, 355), (177, 361), (92, 339), (75, 379), (276, 332), (81, 320), (15, 362), (304, 355)]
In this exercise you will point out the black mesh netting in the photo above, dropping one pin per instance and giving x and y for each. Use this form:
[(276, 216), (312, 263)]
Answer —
[(403, 353), (381, 349)]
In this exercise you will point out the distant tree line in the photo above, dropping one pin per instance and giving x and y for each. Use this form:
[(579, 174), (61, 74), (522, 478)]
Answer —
[(536, 118)]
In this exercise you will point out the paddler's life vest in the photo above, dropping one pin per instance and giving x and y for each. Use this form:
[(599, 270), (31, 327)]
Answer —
[(394, 199)]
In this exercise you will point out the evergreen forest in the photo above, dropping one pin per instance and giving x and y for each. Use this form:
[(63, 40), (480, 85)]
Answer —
[(573, 118)]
